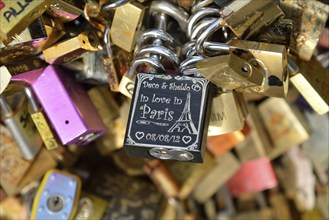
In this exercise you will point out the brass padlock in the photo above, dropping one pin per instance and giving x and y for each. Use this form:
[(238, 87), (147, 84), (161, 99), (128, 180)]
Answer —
[(231, 71), (17, 15), (245, 18), (72, 49), (280, 32), (24, 44), (66, 10), (272, 58), (312, 81), (228, 112), (285, 124), (250, 67), (309, 19), (25, 66), (124, 30)]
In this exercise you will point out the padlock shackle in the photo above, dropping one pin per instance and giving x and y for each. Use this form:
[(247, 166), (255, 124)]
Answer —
[(32, 99), (200, 47), (115, 4), (201, 4), (201, 26), (197, 16), (157, 34), (188, 66), (159, 50), (5, 107), (107, 42), (179, 14), (145, 60)]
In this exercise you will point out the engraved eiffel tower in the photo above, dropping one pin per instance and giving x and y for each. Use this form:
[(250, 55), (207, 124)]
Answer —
[(185, 120)]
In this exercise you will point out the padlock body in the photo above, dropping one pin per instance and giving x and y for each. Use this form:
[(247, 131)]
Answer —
[(168, 115), (66, 104)]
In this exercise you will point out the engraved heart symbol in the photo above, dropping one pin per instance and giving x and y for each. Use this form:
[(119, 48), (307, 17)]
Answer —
[(186, 139), (139, 135)]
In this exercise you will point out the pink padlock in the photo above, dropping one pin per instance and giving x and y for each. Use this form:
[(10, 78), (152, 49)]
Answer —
[(66, 104), (252, 177)]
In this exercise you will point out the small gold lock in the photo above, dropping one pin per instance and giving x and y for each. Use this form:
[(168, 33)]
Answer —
[(309, 18), (66, 10), (227, 113), (285, 124), (15, 16), (230, 72), (272, 59), (124, 30), (245, 18), (25, 65), (72, 49)]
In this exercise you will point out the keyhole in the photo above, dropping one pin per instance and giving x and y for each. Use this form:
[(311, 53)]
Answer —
[(246, 70), (55, 203)]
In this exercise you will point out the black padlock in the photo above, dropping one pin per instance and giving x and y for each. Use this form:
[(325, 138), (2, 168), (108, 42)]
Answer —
[(169, 117)]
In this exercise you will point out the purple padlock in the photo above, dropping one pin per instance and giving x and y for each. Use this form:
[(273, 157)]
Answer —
[(66, 104)]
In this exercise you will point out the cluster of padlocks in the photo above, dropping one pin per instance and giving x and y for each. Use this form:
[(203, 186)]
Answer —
[(164, 109)]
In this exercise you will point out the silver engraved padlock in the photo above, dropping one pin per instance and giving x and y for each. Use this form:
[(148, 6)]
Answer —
[(169, 113)]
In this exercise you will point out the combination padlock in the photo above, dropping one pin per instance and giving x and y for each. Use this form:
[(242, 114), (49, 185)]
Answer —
[(57, 196), (73, 116)]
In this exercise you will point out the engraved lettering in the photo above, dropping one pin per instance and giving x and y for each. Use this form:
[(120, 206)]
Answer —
[(150, 85), (162, 100), (144, 98), (179, 87), (149, 113), (218, 116), (12, 11), (177, 101)]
